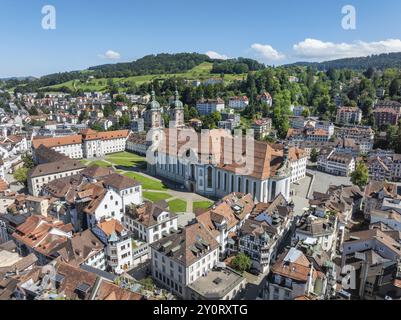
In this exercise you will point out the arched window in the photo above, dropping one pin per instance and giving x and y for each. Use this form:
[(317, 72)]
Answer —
[(247, 186), (219, 180), (239, 184), (210, 177), (225, 181)]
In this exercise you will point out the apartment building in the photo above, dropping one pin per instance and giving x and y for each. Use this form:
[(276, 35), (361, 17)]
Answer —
[(262, 128), (349, 115), (238, 102), (150, 222), (385, 167), (335, 163), (209, 106), (184, 257)]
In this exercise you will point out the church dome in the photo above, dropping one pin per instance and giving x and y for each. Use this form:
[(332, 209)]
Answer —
[(154, 105), (177, 104)]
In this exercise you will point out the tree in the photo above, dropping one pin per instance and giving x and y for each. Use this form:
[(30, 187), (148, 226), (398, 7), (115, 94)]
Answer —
[(394, 87), (241, 262), (147, 283), (28, 161), (314, 155), (306, 113), (21, 175), (360, 176)]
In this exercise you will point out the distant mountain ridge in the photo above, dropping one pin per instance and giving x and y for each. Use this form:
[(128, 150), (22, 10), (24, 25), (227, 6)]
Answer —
[(381, 61)]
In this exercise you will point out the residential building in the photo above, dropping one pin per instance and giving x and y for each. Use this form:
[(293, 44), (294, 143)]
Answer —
[(386, 116), (385, 167), (118, 244), (265, 97), (298, 111), (225, 218), (42, 236), (355, 132), (150, 222), (138, 125), (335, 163), (326, 126), (314, 230), (137, 143), (182, 258), (294, 276), (262, 128), (238, 102), (262, 235), (374, 256), (209, 106), (349, 115)]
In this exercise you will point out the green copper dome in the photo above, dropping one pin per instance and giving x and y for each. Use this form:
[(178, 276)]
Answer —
[(154, 105), (177, 104)]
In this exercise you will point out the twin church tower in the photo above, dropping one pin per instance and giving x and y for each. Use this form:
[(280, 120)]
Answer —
[(153, 114)]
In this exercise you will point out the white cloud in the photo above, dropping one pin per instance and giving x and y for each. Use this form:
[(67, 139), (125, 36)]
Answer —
[(318, 50), (111, 55), (216, 55), (267, 52)]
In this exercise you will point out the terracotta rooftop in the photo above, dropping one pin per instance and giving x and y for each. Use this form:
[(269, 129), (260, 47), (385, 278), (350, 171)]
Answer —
[(109, 291), (37, 233)]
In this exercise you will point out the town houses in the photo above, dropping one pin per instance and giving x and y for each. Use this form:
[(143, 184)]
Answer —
[(385, 167)]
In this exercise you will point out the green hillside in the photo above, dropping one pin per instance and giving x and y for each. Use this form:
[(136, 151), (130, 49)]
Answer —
[(200, 72)]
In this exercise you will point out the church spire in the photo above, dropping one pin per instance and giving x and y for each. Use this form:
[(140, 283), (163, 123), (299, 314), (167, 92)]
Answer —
[(177, 104), (154, 105)]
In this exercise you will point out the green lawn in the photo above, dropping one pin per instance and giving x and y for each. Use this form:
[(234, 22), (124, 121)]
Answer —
[(156, 196), (98, 163), (126, 159), (147, 183), (177, 206), (202, 204)]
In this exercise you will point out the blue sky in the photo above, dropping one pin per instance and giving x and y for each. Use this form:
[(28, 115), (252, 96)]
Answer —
[(129, 29)]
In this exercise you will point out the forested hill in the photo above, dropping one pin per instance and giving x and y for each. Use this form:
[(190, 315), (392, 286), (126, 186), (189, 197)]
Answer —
[(382, 61), (163, 63), (160, 64)]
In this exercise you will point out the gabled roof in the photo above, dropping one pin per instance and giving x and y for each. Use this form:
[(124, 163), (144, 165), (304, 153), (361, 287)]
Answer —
[(120, 182), (188, 245), (55, 167)]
